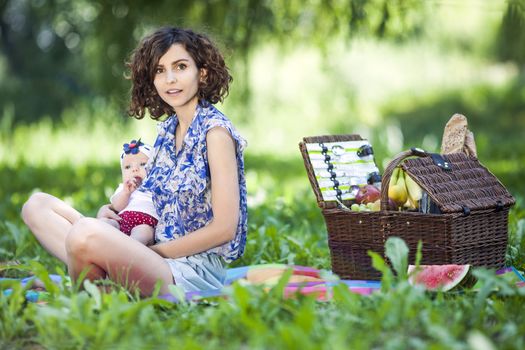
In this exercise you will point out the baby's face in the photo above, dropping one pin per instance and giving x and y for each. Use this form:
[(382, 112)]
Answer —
[(133, 166)]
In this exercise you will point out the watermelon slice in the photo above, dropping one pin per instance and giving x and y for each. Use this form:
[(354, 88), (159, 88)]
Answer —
[(441, 277)]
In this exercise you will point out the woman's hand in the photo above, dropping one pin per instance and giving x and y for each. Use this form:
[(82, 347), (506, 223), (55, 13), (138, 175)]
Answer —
[(105, 212)]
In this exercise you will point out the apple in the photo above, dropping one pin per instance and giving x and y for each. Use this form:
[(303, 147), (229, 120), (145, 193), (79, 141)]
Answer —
[(367, 194)]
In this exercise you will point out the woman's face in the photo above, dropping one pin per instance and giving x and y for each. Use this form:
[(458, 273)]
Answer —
[(177, 79)]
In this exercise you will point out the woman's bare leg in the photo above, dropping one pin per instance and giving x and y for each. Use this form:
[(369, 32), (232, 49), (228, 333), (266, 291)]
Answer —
[(105, 252), (50, 219), (112, 222)]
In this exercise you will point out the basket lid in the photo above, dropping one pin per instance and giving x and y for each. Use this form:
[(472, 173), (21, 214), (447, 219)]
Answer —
[(335, 166), (467, 185)]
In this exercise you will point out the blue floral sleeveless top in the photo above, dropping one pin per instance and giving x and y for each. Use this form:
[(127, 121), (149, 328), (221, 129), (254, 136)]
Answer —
[(180, 183)]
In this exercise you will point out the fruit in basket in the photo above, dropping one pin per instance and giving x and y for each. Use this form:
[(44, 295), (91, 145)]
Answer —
[(376, 206), (391, 205), (397, 190), (359, 207), (365, 207), (398, 194), (414, 191), (395, 175), (367, 194), (441, 277)]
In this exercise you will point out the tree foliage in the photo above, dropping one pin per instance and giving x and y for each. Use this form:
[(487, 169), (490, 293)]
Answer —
[(54, 52), (511, 43)]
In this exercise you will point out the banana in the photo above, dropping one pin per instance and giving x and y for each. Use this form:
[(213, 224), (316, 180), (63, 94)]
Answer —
[(408, 204), (394, 176), (414, 191)]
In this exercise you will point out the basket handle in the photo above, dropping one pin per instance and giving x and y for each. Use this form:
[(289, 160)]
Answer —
[(385, 183)]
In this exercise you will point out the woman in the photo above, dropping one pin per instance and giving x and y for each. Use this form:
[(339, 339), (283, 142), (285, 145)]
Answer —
[(196, 179)]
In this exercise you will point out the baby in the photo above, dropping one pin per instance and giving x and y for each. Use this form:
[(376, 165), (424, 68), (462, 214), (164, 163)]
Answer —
[(136, 209)]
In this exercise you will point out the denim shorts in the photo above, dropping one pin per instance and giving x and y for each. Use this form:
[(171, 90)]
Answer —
[(203, 271)]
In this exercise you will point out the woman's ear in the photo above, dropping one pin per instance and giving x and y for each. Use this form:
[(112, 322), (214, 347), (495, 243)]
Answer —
[(203, 75)]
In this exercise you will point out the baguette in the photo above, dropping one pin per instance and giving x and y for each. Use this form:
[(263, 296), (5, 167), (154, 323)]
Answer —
[(457, 138), (470, 145), (454, 134)]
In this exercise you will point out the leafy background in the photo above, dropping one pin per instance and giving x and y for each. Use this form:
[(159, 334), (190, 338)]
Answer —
[(393, 71)]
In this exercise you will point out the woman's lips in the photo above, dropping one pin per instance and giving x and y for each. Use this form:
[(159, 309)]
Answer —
[(173, 91)]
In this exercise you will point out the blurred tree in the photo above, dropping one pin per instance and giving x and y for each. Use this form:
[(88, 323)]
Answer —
[(37, 72), (55, 52), (511, 40)]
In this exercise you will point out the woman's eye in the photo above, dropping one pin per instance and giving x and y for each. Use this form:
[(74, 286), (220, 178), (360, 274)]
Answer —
[(158, 70), (181, 66)]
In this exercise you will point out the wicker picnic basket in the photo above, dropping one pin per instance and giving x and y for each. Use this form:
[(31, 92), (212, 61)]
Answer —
[(471, 228)]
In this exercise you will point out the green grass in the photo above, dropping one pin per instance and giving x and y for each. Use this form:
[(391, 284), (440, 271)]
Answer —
[(285, 226), (400, 317)]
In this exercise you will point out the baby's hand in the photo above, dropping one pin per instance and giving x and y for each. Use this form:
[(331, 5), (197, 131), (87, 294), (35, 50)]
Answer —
[(130, 185)]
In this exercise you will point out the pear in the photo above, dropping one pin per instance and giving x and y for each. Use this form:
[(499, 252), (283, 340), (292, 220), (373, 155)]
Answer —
[(393, 182), (398, 192)]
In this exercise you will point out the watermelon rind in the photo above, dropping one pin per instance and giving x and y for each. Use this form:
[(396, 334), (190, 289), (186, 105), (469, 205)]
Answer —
[(439, 277)]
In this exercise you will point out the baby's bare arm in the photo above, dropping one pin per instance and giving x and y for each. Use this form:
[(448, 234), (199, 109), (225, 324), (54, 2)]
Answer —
[(120, 200)]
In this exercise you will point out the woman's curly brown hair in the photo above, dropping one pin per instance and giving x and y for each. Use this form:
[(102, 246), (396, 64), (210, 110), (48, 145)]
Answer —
[(145, 57)]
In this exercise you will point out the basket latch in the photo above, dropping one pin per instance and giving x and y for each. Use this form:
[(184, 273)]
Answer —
[(365, 150), (466, 210), (440, 161), (419, 152), (499, 206)]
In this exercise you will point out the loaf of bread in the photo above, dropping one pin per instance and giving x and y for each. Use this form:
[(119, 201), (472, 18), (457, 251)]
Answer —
[(457, 138), (454, 134), (470, 145)]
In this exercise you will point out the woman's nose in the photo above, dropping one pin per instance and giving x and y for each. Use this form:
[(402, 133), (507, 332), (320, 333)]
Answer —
[(170, 76)]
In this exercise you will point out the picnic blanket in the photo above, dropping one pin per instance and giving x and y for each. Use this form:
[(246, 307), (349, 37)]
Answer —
[(302, 280)]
